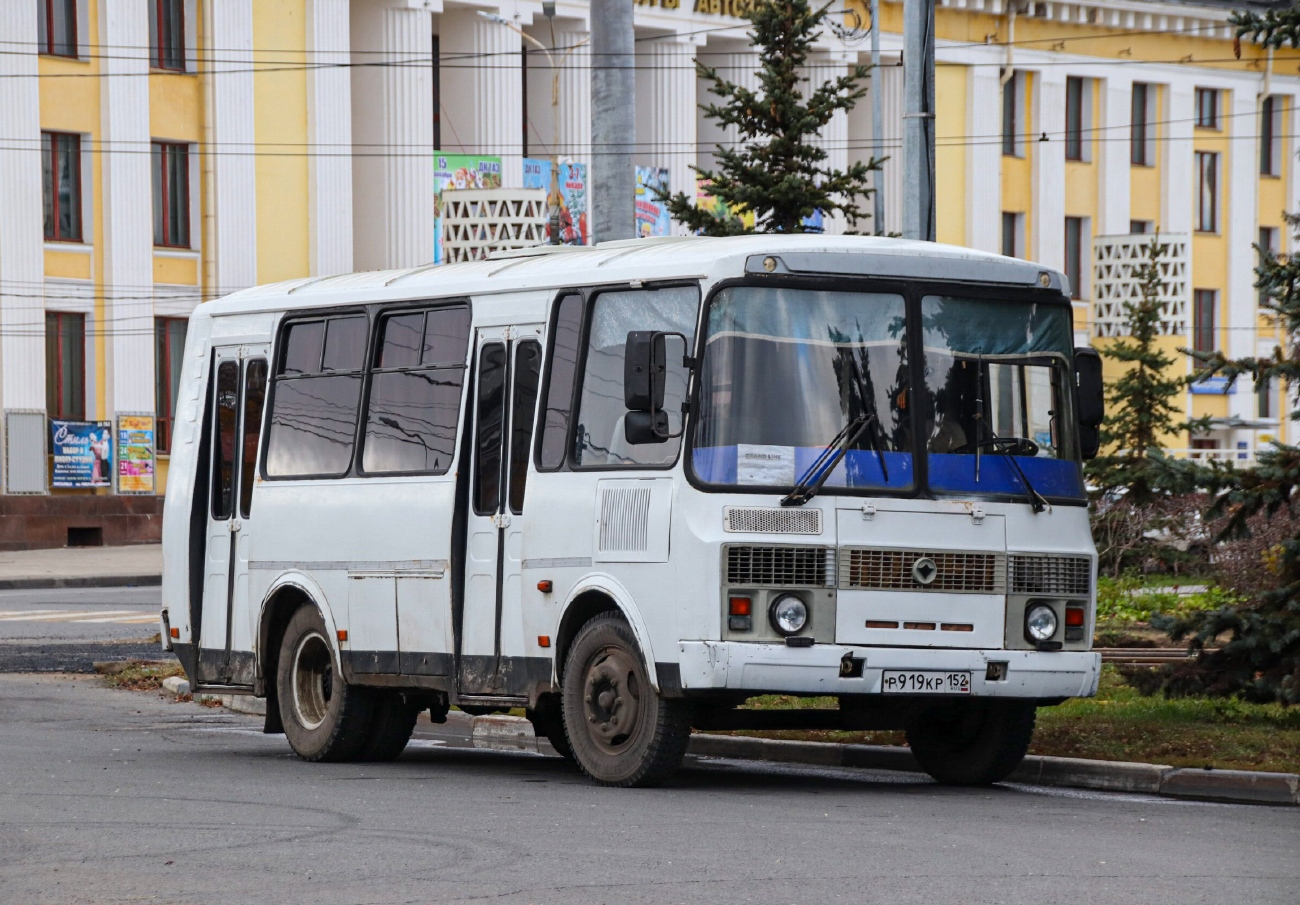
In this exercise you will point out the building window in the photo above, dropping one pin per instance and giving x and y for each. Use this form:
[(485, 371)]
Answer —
[(169, 354), (1139, 227), (1205, 449), (1140, 128), (65, 366), (1264, 395), (57, 27), (1207, 192), (1012, 234), (61, 171), (1074, 232), (167, 34), (1204, 302), (1267, 246), (1011, 121), (1074, 98), (1270, 137), (171, 195), (1207, 108)]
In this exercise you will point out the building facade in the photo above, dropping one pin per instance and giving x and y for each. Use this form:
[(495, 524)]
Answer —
[(157, 153)]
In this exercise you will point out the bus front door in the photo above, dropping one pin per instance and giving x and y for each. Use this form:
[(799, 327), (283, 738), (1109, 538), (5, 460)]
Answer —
[(239, 396), (490, 642)]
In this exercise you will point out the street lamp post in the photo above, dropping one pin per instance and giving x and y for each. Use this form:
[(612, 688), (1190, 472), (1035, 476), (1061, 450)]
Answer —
[(554, 200)]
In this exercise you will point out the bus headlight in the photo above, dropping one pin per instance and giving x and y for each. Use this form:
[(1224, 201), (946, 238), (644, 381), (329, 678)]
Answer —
[(788, 614), (1040, 622)]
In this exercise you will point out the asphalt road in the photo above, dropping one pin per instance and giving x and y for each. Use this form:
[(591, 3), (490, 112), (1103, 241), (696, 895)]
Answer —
[(66, 630), (111, 796)]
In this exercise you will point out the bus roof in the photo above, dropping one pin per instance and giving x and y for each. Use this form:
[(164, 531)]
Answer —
[(677, 257)]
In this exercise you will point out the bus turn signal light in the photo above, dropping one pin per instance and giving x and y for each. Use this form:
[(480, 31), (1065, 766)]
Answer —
[(543, 640), (176, 633), (740, 606), (545, 586), (1074, 615), (343, 634)]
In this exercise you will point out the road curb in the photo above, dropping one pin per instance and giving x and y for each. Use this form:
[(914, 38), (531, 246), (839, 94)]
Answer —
[(80, 581)]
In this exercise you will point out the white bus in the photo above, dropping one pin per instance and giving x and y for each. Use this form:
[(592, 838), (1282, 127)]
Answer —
[(629, 487)]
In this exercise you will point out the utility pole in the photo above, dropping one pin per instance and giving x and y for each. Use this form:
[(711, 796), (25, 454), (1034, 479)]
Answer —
[(918, 120), (877, 124), (613, 120)]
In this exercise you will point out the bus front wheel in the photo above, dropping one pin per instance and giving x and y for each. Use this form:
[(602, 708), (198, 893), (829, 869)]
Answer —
[(973, 743), (325, 719), (621, 731)]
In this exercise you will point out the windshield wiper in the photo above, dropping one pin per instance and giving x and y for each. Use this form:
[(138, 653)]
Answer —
[(820, 470), (1011, 446)]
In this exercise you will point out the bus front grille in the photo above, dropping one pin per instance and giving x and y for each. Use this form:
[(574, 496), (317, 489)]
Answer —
[(895, 570), (1039, 574), (780, 566)]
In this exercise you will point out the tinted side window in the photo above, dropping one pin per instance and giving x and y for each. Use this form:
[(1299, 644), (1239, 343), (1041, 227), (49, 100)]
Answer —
[(313, 420), (254, 399), (559, 387), (523, 405), (491, 415), (415, 392), (599, 439), (224, 439)]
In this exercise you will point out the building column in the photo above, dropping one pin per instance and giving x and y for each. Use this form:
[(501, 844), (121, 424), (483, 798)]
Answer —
[(666, 111), (1115, 156), (1048, 220), (739, 68), (834, 136), (1178, 188), (1239, 216), (984, 159), (483, 100), (329, 130), (392, 110), (572, 51), (127, 198), (22, 260), (232, 195)]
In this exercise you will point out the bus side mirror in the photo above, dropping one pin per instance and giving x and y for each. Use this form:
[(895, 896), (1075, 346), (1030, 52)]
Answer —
[(645, 364), (1091, 396)]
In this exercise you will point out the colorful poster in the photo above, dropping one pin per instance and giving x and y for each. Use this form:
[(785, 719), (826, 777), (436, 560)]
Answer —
[(716, 206), (459, 171), (83, 453), (135, 456), (573, 196), (652, 218)]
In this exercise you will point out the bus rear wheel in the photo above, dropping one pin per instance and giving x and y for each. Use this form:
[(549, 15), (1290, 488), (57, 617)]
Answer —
[(394, 722), (621, 732), (973, 743), (325, 719)]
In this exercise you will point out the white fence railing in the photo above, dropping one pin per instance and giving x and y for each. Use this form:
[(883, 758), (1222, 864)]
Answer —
[(1242, 458)]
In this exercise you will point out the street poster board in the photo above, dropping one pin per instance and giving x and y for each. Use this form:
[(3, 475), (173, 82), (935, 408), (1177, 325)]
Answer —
[(135, 454), (83, 453), (573, 196), (652, 218), (459, 171), (717, 206)]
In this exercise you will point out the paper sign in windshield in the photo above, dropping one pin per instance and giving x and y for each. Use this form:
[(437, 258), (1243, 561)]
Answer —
[(765, 466)]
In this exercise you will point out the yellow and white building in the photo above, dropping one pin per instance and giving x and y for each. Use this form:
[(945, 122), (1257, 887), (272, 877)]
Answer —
[(157, 153)]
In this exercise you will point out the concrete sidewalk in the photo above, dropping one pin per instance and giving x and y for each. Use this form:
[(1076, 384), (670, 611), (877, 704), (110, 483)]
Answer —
[(81, 567)]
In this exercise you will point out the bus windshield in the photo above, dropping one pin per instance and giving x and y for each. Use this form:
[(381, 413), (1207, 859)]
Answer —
[(785, 369)]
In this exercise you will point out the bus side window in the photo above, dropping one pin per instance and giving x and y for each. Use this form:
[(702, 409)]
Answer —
[(491, 415), (254, 400), (528, 368), (223, 440), (559, 383)]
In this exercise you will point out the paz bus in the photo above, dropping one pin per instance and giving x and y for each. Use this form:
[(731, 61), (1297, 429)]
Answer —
[(631, 486)]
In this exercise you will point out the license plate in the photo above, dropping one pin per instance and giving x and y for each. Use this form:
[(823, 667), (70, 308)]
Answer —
[(911, 681)]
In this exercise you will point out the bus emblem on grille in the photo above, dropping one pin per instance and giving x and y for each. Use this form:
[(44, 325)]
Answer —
[(924, 570)]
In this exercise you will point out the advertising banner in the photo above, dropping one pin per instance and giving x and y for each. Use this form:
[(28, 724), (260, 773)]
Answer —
[(573, 196), (135, 456), (652, 218), (459, 171), (83, 453)]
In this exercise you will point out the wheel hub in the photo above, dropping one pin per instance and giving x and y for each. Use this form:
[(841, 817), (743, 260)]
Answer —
[(612, 699), (313, 680)]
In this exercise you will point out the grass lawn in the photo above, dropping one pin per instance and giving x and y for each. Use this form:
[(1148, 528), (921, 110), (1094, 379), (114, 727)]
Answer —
[(1120, 724)]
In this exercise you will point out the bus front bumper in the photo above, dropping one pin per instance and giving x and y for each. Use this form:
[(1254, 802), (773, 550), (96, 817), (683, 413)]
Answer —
[(816, 670)]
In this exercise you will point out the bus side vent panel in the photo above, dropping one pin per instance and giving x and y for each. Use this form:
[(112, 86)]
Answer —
[(748, 520), (624, 519), (1064, 575), (780, 566)]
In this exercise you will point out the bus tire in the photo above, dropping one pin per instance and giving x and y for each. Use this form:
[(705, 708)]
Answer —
[(325, 719), (394, 721), (549, 724), (605, 685), (974, 743)]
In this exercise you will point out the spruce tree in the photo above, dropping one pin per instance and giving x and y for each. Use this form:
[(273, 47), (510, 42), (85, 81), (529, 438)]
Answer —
[(1144, 405), (777, 173)]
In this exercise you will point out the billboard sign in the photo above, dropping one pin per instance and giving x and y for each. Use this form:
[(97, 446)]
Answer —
[(83, 453), (135, 455), (652, 218)]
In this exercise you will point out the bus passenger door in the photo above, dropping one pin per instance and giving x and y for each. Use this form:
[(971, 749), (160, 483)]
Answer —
[(505, 402), (239, 396)]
